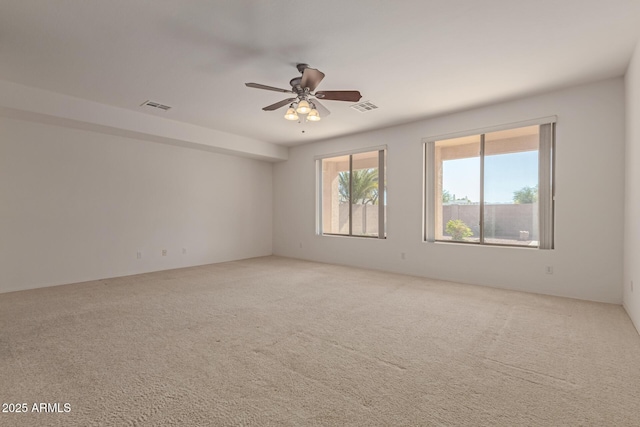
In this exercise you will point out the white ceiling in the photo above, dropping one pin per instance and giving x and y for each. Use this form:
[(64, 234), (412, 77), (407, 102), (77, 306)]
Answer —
[(413, 59)]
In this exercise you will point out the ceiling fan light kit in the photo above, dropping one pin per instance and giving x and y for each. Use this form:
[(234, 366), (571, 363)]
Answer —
[(313, 116), (303, 107), (291, 114), (306, 100)]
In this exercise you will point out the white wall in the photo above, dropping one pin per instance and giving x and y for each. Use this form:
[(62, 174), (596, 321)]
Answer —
[(632, 193), (587, 260), (76, 205)]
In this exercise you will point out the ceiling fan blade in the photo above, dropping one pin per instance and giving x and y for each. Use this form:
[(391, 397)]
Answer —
[(279, 104), (265, 87), (339, 95), (322, 110), (311, 78)]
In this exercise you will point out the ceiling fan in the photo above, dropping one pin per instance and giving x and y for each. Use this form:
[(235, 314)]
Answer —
[(306, 101)]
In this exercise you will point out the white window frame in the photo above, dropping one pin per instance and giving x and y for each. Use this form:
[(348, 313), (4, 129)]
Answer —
[(546, 179), (382, 155)]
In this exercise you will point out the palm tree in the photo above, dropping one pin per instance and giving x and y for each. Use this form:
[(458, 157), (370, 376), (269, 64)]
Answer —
[(365, 186)]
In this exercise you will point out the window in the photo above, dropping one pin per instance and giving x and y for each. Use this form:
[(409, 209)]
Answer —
[(492, 188), (351, 198)]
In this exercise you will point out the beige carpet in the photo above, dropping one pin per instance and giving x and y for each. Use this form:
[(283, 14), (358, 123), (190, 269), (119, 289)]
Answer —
[(282, 342)]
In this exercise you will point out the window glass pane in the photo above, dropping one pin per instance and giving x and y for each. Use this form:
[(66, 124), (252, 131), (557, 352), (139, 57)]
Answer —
[(365, 196), (335, 195), (457, 198), (511, 187)]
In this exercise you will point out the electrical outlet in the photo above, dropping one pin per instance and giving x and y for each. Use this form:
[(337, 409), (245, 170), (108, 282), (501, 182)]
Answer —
[(403, 255), (139, 255), (632, 286), (549, 269), (300, 245), (184, 251), (164, 252)]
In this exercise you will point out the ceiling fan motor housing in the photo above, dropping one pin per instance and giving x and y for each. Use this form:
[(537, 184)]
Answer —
[(295, 83)]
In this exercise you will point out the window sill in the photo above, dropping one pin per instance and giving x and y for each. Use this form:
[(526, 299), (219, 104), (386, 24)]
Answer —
[(483, 245), (352, 237)]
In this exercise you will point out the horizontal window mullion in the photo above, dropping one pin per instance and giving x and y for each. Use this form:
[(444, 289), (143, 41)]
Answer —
[(489, 129), (350, 152)]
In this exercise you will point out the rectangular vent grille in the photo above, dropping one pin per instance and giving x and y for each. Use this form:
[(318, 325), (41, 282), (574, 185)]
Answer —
[(365, 106), (155, 105)]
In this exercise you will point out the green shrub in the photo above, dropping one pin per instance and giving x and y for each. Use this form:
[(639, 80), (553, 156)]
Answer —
[(458, 229)]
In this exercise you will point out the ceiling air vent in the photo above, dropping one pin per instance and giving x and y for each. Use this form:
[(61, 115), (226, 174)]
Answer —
[(365, 106), (155, 105)]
